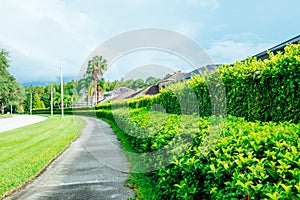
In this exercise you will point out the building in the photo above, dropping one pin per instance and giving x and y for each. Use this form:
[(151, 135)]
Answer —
[(280, 47)]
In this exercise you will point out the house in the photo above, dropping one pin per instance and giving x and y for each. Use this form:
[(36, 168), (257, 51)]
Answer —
[(116, 94), (280, 47), (151, 90), (167, 81), (198, 71), (126, 93), (260, 56)]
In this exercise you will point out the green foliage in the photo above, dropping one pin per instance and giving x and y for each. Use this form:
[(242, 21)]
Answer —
[(265, 90), (37, 103), (42, 95), (131, 83), (254, 157), (248, 161), (257, 90), (230, 159), (85, 85), (19, 108), (11, 92)]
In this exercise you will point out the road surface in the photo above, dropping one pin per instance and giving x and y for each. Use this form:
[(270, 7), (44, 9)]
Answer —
[(17, 121)]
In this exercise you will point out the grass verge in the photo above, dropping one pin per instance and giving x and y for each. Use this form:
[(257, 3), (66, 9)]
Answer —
[(5, 116), (26, 151)]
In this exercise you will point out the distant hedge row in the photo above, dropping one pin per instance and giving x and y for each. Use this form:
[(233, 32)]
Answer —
[(68, 110), (257, 90)]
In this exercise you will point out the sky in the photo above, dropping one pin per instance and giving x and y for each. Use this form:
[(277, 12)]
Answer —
[(43, 35)]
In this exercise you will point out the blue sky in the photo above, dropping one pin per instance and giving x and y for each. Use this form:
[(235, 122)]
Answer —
[(42, 35)]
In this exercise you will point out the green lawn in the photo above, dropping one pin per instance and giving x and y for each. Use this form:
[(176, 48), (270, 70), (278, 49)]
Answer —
[(5, 116), (24, 152)]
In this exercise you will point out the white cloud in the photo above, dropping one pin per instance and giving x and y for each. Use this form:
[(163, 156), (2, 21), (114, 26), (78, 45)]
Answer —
[(211, 4), (228, 51), (190, 29), (43, 34)]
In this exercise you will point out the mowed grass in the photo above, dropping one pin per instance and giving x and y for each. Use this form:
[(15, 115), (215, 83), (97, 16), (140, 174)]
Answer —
[(5, 116), (26, 151)]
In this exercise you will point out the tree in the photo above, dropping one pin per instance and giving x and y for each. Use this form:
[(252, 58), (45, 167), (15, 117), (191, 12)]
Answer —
[(110, 86), (85, 85), (57, 99), (19, 108), (101, 86), (138, 84), (96, 67), (37, 103), (152, 81), (11, 93)]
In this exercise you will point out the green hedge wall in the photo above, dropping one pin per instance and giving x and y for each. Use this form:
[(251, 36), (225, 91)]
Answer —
[(257, 90), (247, 160), (265, 90), (75, 110)]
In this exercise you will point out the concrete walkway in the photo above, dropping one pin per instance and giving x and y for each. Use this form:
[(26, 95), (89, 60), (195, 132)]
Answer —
[(93, 167), (17, 121)]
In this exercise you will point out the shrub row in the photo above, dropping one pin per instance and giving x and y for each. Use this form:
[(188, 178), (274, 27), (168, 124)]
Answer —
[(68, 110), (257, 90), (224, 159), (265, 90)]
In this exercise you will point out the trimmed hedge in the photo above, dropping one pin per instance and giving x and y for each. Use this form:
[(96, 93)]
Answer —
[(249, 161), (68, 110), (265, 90), (236, 160), (257, 90)]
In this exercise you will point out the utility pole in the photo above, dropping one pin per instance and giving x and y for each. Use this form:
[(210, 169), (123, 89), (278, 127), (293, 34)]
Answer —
[(62, 93), (30, 103), (51, 99)]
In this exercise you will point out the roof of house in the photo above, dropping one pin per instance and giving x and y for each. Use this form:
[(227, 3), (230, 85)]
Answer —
[(118, 93), (280, 47), (263, 55), (121, 90), (198, 71), (151, 90), (175, 76), (126, 95)]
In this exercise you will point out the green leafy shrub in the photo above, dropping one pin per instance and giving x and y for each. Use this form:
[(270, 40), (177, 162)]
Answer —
[(265, 90), (254, 157), (257, 90), (250, 160), (230, 159)]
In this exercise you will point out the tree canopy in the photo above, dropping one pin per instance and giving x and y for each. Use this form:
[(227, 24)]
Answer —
[(11, 92)]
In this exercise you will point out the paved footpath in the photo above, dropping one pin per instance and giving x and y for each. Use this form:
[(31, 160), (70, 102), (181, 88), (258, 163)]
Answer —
[(17, 121), (93, 167)]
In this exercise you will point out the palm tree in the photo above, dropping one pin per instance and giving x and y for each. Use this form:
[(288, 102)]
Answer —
[(96, 67), (86, 85), (57, 100)]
